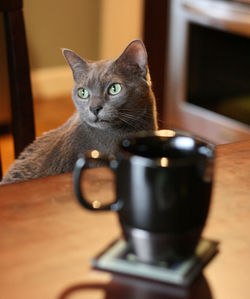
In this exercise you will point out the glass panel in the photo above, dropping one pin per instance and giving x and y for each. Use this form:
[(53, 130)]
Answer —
[(218, 75)]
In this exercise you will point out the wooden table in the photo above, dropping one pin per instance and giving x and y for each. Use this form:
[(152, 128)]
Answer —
[(47, 240)]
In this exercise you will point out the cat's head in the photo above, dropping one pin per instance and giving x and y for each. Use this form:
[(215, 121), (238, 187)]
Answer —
[(114, 93)]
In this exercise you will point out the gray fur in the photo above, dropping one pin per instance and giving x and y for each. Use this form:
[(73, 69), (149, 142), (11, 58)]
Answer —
[(132, 110)]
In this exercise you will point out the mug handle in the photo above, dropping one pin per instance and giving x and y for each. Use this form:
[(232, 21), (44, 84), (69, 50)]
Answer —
[(80, 167)]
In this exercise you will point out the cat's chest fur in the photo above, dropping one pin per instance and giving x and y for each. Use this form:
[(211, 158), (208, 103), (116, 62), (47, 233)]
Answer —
[(88, 138)]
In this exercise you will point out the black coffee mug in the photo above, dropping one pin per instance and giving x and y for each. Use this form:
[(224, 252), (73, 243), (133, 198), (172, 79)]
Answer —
[(163, 190)]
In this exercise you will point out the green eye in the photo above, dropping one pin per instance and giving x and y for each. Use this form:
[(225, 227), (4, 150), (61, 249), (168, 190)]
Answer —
[(114, 89), (83, 93)]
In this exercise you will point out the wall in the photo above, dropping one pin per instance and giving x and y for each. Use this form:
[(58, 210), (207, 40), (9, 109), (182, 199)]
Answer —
[(51, 25), (93, 28), (120, 23)]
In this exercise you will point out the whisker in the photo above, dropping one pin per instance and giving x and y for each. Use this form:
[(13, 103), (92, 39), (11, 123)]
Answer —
[(137, 123), (138, 118), (146, 116), (129, 124)]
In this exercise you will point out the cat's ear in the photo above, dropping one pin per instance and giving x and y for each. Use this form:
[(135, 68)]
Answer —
[(77, 63), (135, 53)]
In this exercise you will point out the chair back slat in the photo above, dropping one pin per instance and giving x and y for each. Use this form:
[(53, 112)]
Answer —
[(22, 115)]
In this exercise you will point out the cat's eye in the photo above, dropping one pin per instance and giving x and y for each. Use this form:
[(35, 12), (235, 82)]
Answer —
[(83, 93), (114, 89)]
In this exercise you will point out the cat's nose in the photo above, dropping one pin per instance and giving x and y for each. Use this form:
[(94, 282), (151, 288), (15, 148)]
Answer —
[(95, 109)]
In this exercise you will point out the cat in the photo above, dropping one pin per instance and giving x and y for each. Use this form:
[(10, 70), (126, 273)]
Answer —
[(113, 99)]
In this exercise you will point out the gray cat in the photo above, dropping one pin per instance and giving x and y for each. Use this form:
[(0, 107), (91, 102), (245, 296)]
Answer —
[(113, 99)]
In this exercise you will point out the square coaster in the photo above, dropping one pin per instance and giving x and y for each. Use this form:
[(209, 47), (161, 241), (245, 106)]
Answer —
[(119, 258)]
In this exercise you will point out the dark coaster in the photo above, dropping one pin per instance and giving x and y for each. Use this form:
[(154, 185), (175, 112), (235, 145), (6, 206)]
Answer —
[(119, 258)]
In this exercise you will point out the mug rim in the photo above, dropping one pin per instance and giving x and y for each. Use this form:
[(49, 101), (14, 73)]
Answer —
[(165, 162), (206, 150)]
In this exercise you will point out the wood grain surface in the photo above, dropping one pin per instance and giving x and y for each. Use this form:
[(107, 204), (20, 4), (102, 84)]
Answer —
[(229, 222), (47, 239)]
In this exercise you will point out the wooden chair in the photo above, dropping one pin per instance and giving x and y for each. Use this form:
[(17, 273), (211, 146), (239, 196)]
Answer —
[(22, 117)]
